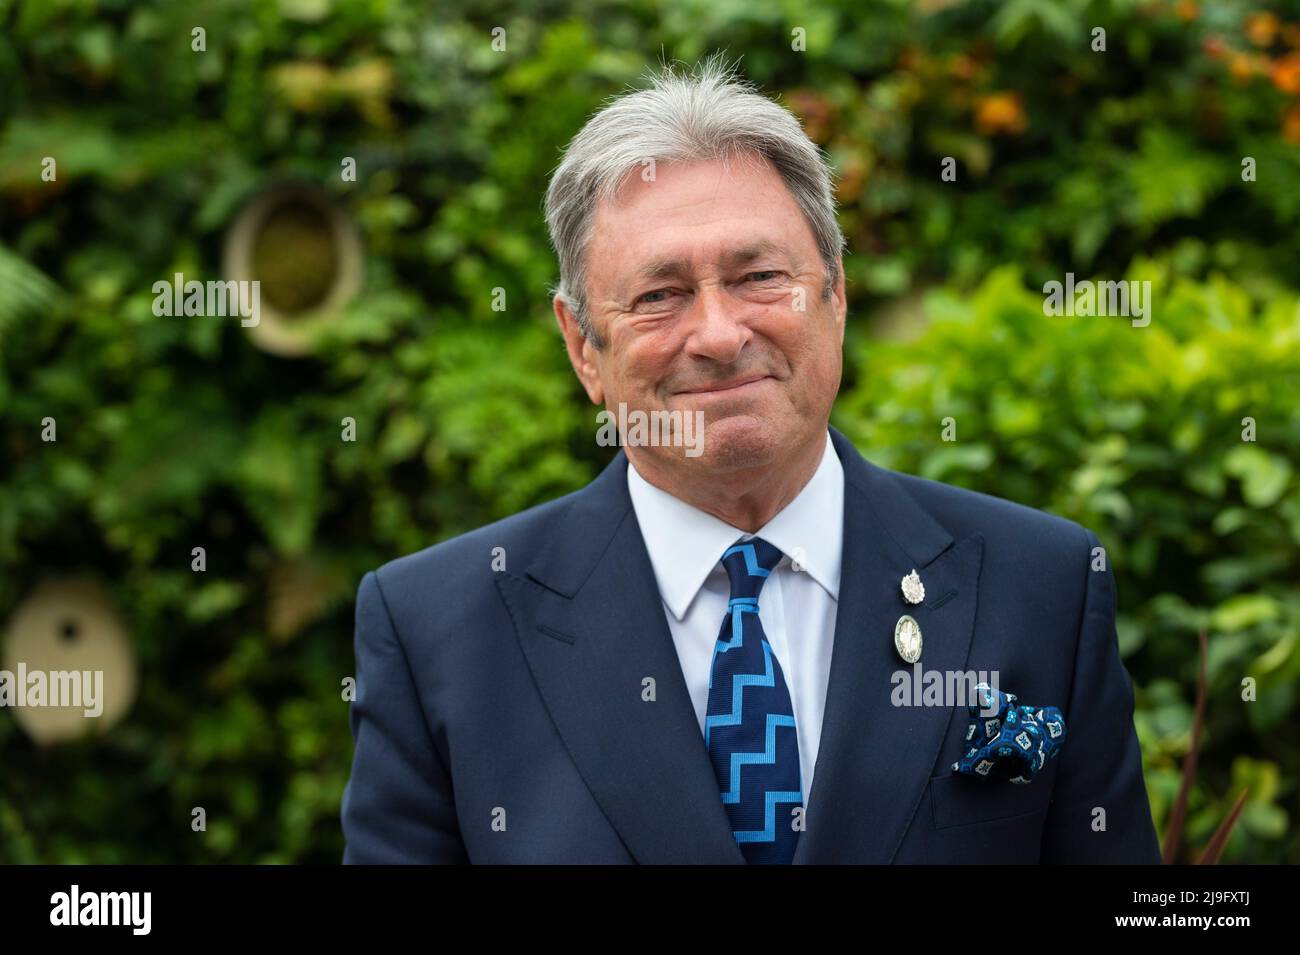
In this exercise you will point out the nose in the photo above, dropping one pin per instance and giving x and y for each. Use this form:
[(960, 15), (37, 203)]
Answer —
[(717, 330)]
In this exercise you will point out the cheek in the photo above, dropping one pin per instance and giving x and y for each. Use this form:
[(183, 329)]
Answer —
[(645, 360), (814, 355), (803, 344)]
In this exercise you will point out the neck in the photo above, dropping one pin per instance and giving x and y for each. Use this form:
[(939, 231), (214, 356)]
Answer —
[(746, 498)]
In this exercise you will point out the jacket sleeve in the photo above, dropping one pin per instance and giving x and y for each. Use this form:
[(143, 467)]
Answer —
[(397, 805), (1100, 762)]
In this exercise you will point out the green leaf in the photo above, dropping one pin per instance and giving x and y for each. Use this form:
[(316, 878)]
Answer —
[(1263, 476)]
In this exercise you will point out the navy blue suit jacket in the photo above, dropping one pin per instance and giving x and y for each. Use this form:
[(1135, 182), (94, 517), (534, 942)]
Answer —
[(500, 716)]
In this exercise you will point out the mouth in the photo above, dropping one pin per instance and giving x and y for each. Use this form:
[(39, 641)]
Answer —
[(726, 386)]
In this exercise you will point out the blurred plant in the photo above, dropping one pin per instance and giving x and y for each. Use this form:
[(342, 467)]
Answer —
[(1174, 828)]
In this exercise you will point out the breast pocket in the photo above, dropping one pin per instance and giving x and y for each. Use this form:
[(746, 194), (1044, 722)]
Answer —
[(958, 800)]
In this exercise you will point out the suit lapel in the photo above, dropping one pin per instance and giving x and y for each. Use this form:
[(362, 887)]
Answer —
[(592, 628), (874, 758)]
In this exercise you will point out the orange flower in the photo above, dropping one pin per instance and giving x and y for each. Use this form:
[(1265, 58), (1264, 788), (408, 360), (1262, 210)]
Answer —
[(963, 66), (1262, 28), (1243, 66), (1286, 73), (1291, 125), (1186, 10), (1001, 112), (1214, 47)]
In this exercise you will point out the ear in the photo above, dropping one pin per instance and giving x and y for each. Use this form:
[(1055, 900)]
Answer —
[(582, 354), (838, 298)]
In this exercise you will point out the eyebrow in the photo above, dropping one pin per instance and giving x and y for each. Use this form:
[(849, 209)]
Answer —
[(668, 268)]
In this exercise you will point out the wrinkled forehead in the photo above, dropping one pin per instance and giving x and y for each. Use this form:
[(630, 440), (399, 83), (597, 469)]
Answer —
[(673, 217)]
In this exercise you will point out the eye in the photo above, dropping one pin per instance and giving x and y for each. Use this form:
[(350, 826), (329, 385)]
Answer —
[(766, 275), (659, 296)]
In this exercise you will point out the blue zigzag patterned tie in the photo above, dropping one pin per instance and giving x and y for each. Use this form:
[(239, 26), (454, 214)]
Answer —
[(749, 727)]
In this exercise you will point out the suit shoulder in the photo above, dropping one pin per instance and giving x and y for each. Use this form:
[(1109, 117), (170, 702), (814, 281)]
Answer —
[(1035, 561), (458, 562), (1002, 522)]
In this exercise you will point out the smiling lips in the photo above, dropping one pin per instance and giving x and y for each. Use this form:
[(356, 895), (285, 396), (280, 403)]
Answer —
[(726, 386)]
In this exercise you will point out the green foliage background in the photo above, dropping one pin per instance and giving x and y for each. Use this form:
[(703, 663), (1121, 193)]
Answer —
[(178, 432)]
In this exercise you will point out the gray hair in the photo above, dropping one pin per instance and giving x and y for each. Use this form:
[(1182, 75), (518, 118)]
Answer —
[(709, 114)]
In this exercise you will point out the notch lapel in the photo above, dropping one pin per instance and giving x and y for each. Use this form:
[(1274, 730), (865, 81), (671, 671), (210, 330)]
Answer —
[(874, 758), (592, 628)]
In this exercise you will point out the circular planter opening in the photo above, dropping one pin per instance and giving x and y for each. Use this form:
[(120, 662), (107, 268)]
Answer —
[(305, 253)]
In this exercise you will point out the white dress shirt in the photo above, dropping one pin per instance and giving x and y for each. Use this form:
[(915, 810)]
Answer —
[(797, 607)]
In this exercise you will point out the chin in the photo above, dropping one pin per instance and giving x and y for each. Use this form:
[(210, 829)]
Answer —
[(741, 441)]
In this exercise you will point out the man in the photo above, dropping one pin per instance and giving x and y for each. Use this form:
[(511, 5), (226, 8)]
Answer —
[(694, 659)]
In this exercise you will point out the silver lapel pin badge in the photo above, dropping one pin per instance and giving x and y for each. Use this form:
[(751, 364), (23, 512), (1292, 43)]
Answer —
[(913, 589), (907, 638)]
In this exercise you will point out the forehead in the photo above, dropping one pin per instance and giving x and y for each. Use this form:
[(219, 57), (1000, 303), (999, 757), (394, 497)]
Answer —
[(695, 213)]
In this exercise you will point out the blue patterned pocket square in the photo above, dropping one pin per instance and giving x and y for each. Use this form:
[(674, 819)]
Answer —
[(1006, 741)]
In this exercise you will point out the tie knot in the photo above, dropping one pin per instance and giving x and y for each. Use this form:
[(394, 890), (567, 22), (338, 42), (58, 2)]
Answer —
[(748, 564)]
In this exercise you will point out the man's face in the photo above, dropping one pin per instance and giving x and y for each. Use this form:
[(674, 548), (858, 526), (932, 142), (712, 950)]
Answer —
[(705, 285)]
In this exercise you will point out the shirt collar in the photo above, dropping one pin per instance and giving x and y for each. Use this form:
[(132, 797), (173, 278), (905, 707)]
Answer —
[(685, 544)]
